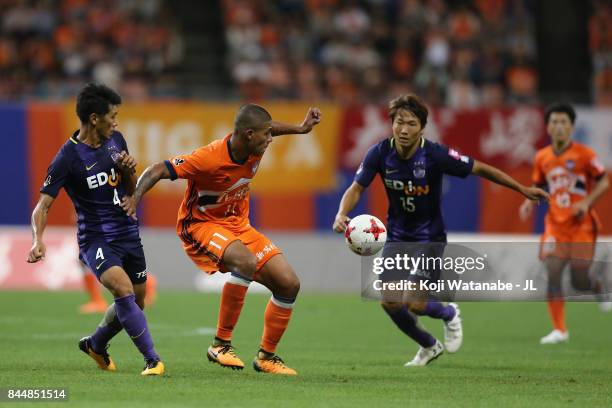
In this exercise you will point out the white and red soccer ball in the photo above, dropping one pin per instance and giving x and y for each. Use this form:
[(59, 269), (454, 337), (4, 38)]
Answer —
[(365, 235)]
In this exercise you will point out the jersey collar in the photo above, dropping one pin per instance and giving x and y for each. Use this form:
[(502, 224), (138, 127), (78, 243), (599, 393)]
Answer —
[(392, 143), (569, 146), (73, 138), (76, 141)]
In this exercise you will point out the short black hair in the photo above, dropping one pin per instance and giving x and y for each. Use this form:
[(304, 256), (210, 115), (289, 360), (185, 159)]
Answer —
[(411, 103), (560, 107), (251, 116), (95, 98)]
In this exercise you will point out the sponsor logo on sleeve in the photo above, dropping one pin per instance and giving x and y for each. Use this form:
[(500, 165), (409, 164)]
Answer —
[(360, 169), (455, 155), (597, 164)]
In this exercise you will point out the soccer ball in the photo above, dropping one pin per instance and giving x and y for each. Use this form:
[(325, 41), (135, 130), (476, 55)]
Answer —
[(365, 235)]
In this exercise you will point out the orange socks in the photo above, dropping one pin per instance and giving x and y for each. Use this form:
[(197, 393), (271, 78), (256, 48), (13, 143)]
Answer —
[(232, 299), (556, 309), (93, 288), (151, 288), (276, 320), (276, 317)]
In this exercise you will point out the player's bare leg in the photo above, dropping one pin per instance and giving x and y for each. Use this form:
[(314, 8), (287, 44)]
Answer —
[(243, 265), (278, 276), (586, 277), (600, 273), (556, 303)]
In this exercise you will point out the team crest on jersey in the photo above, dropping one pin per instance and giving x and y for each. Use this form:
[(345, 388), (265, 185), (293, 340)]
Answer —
[(114, 153), (178, 161), (419, 172), (570, 164)]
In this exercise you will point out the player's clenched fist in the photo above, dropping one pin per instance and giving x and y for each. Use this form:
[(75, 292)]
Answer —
[(340, 223), (313, 118), (37, 252), (126, 162)]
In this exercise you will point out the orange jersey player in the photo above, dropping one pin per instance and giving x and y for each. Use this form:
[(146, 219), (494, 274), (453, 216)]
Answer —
[(213, 224), (575, 180)]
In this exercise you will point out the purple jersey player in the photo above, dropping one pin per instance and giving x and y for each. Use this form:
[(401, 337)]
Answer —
[(412, 169), (96, 170)]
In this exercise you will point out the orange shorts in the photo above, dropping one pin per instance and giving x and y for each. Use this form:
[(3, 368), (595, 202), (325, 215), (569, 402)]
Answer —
[(574, 242), (205, 243)]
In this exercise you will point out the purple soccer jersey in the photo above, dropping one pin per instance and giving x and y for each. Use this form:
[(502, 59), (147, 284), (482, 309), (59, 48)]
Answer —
[(93, 182), (414, 187)]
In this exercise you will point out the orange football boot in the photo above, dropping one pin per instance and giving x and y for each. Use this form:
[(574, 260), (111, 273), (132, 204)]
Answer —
[(225, 356)]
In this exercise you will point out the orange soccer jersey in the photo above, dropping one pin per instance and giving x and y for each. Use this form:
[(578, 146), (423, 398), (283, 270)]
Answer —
[(570, 177), (215, 207)]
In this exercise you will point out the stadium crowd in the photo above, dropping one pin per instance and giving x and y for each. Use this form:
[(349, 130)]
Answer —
[(49, 48), (459, 53), (600, 42)]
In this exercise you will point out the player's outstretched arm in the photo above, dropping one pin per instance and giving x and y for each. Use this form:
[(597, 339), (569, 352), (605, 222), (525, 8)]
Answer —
[(350, 198), (39, 222), (313, 118), (146, 181), (497, 176)]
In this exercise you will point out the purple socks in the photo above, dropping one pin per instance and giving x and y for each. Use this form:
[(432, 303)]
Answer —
[(435, 309), (407, 323), (135, 324), (106, 330)]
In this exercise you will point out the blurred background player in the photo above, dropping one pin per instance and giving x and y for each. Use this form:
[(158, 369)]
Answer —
[(214, 226), (97, 303), (575, 179), (409, 161), (96, 170)]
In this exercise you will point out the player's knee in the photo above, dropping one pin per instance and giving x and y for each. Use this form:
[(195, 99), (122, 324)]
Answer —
[(122, 290), (292, 286), (391, 307)]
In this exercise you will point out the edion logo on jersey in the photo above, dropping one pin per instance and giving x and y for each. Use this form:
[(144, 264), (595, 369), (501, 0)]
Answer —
[(407, 187), (102, 178)]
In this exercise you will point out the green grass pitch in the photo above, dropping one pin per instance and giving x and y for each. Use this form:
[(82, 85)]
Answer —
[(347, 353)]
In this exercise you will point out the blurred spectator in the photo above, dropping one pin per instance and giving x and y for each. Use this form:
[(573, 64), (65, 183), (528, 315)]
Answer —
[(600, 38), (463, 53), (48, 48)]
